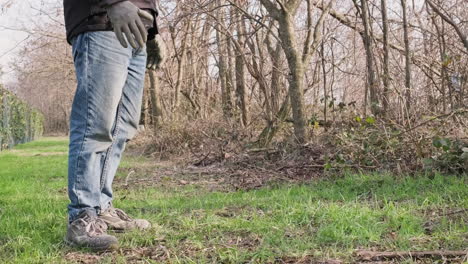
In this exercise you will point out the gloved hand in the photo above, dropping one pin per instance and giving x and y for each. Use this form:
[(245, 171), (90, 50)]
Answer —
[(126, 19), (156, 50)]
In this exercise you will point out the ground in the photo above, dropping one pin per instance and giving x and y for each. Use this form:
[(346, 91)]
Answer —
[(322, 221)]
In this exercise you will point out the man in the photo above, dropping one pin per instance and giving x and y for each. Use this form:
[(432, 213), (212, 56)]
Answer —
[(106, 109)]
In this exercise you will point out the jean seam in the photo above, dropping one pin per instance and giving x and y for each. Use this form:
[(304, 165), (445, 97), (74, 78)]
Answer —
[(109, 151), (86, 36)]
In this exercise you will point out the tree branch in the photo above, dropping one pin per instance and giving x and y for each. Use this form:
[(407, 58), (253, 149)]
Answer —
[(417, 60), (310, 45), (272, 9), (449, 21)]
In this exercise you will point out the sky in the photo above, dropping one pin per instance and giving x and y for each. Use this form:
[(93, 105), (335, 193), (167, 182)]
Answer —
[(15, 15)]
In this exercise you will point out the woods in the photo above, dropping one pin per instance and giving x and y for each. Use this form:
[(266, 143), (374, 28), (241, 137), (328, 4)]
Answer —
[(274, 131), (282, 70)]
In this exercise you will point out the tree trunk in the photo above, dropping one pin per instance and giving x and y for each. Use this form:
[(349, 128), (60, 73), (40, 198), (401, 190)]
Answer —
[(275, 55), (386, 71), (145, 117), (372, 84), (182, 56), (325, 94), (442, 50), (230, 75), (223, 66), (156, 110), (241, 90), (297, 61), (272, 127), (407, 58), (296, 78)]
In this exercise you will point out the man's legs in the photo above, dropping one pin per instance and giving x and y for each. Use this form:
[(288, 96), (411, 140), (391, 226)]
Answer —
[(127, 121), (110, 84)]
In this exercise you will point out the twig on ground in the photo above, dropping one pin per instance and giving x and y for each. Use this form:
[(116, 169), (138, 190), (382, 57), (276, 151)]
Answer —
[(455, 212), (128, 177), (366, 255)]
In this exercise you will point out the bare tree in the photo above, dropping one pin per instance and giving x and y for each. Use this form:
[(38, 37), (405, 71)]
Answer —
[(386, 60), (285, 13), (372, 83), (407, 56)]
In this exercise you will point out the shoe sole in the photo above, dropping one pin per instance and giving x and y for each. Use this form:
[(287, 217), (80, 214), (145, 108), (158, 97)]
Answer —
[(111, 247)]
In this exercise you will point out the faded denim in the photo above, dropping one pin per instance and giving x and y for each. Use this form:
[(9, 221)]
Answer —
[(105, 115)]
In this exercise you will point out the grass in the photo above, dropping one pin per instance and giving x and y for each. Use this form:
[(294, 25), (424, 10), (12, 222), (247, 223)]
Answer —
[(327, 219)]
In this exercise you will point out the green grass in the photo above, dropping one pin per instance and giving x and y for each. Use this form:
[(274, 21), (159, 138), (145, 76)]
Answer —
[(324, 219)]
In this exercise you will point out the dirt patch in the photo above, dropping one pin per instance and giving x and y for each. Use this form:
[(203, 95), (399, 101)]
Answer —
[(314, 260), (305, 260), (134, 255), (259, 167), (236, 211), (435, 216), (162, 254), (82, 258), (29, 154), (246, 171), (241, 239), (369, 256)]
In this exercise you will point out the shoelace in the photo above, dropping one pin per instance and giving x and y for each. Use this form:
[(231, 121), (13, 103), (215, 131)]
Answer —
[(120, 214), (95, 227)]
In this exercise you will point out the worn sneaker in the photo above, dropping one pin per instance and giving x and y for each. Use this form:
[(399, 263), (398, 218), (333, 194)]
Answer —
[(89, 231), (118, 220)]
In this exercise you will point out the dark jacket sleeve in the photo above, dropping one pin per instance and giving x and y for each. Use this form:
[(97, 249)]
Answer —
[(106, 3)]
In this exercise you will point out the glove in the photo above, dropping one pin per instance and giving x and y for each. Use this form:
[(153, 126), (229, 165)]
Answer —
[(156, 50), (126, 19)]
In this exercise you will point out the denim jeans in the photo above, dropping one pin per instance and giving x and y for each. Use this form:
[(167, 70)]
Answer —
[(105, 115)]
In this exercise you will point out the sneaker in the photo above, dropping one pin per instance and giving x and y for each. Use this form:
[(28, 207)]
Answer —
[(88, 231), (118, 220)]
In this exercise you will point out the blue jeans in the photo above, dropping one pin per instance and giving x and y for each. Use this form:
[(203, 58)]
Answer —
[(105, 115)]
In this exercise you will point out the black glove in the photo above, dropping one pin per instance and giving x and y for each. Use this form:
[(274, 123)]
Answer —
[(156, 50), (126, 19)]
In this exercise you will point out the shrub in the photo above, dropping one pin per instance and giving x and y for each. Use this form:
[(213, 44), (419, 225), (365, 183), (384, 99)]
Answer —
[(451, 156), (19, 123), (381, 145)]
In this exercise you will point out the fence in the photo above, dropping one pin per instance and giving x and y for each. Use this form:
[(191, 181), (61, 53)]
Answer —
[(19, 123)]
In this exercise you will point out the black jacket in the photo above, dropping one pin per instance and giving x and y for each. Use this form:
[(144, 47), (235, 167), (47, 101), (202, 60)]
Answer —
[(90, 15)]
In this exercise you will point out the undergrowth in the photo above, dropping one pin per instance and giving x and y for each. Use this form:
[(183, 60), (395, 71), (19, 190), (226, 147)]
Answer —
[(430, 145), (320, 220)]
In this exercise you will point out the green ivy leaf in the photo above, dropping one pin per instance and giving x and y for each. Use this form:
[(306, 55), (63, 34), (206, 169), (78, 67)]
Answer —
[(446, 143), (436, 142), (370, 120)]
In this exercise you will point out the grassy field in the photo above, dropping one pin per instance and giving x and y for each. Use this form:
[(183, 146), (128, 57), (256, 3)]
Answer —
[(323, 220)]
